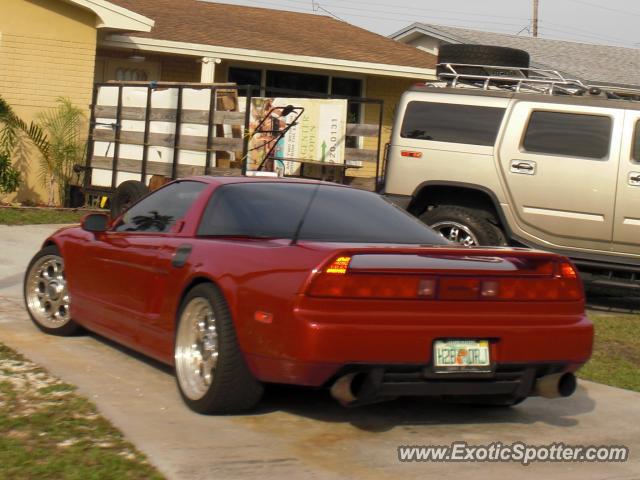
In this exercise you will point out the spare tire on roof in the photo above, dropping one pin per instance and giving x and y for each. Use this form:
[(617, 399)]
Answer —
[(481, 55)]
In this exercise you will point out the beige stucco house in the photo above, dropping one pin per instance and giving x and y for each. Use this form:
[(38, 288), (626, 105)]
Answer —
[(54, 48)]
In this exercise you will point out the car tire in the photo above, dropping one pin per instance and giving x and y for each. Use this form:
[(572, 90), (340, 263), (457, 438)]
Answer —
[(126, 195), (481, 55), (45, 293), (211, 372), (473, 228)]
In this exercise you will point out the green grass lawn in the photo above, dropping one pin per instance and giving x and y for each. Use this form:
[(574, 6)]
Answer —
[(616, 354), (33, 216), (47, 431)]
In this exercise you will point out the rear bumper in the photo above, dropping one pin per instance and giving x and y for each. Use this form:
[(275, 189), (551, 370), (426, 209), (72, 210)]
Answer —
[(515, 381), (318, 353)]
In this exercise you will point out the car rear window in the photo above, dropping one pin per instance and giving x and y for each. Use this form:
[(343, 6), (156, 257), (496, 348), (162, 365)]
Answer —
[(569, 134), (331, 214), (447, 122)]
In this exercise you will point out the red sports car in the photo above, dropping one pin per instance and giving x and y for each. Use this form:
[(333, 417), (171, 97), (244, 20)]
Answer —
[(238, 282)]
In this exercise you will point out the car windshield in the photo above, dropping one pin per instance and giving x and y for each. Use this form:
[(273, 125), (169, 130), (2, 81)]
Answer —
[(331, 214)]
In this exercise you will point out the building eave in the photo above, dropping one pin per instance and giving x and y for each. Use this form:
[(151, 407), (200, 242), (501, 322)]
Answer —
[(263, 57), (419, 28), (114, 17)]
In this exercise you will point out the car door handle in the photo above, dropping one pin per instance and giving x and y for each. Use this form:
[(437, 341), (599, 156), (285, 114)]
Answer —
[(634, 179), (181, 255), (522, 167)]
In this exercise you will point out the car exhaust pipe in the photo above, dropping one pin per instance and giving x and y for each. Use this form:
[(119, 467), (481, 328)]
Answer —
[(556, 385), (345, 390)]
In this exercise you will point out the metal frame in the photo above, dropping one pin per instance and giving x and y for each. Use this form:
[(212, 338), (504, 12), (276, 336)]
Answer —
[(247, 90), (526, 80), (116, 142), (145, 148)]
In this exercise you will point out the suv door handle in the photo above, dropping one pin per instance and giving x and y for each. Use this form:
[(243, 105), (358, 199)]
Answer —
[(522, 167), (634, 179)]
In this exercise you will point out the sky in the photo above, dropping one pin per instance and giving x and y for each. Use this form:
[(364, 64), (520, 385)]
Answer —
[(610, 22)]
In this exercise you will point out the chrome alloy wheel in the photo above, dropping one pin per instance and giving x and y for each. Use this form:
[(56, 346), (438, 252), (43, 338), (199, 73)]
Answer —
[(46, 292), (456, 232), (196, 351)]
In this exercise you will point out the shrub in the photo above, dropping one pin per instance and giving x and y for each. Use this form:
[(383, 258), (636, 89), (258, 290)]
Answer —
[(9, 176)]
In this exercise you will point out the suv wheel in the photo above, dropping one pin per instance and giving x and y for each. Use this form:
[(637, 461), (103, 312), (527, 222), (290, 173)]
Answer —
[(463, 225)]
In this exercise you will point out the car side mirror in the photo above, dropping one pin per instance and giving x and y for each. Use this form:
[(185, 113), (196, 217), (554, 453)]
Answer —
[(95, 222)]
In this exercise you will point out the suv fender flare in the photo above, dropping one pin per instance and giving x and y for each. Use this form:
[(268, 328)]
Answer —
[(472, 187)]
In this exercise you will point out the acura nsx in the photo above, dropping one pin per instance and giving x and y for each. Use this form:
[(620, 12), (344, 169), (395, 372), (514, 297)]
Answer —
[(240, 282)]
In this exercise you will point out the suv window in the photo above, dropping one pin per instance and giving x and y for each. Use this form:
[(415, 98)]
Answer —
[(570, 134), (159, 211), (447, 122), (333, 214)]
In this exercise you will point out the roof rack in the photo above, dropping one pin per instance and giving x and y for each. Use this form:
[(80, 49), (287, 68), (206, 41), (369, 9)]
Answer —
[(526, 80)]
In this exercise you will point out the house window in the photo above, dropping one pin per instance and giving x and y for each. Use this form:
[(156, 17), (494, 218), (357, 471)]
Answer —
[(570, 134), (124, 70), (131, 74), (349, 87), (245, 76), (302, 82)]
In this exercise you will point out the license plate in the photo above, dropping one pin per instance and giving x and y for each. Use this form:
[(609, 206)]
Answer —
[(461, 356)]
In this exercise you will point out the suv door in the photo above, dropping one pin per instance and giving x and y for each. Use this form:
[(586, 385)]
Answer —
[(559, 164), (626, 231)]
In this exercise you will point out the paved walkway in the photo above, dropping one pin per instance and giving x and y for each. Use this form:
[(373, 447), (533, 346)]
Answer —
[(304, 434)]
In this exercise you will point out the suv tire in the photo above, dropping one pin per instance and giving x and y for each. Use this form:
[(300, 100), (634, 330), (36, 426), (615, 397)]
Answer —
[(473, 228), (481, 55)]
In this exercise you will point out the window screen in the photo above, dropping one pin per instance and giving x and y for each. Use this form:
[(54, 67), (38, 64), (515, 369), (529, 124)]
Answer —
[(333, 214), (571, 134), (446, 122), (159, 211)]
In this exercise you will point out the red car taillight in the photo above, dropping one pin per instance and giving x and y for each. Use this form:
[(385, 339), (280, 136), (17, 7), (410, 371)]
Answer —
[(559, 283)]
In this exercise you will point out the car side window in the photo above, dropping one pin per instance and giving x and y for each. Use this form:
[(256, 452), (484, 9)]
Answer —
[(448, 122), (158, 212), (568, 134), (635, 152)]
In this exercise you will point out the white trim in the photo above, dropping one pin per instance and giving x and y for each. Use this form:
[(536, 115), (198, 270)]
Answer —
[(271, 58), (426, 31), (115, 17)]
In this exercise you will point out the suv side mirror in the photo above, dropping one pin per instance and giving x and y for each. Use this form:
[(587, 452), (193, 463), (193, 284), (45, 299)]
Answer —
[(95, 222)]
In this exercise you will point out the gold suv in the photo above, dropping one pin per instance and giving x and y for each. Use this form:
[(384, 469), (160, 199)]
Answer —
[(497, 155)]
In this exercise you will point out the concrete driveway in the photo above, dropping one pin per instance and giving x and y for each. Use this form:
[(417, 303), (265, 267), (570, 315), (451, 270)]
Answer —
[(300, 433)]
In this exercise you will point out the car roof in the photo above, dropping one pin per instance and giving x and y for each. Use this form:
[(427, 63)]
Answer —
[(220, 180)]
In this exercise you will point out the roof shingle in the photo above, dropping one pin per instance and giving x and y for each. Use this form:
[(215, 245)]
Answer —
[(233, 26), (592, 63)]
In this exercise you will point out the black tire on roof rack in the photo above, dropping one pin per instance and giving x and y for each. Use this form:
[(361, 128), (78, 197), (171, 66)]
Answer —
[(481, 55)]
